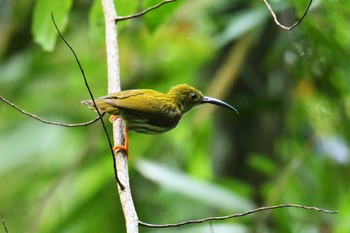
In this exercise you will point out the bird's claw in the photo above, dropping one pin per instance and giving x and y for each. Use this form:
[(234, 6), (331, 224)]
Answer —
[(112, 118), (122, 148)]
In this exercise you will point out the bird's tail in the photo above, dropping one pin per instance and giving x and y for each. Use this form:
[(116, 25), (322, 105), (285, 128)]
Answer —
[(101, 105)]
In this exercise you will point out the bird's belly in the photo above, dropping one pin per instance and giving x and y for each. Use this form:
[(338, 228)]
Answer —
[(148, 127)]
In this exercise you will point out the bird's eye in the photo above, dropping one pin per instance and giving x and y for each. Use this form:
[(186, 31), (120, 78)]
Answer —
[(193, 96)]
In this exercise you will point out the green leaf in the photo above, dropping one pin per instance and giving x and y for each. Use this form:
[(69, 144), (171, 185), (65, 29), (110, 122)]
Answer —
[(212, 194), (96, 23), (43, 29), (241, 23), (263, 164)]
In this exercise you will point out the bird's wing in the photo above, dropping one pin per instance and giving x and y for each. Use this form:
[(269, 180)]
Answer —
[(148, 105), (143, 101)]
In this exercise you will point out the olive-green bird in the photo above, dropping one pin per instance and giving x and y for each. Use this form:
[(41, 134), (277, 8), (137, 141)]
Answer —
[(152, 112)]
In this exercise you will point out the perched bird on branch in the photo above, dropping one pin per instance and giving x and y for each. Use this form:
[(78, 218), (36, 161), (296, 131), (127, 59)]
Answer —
[(149, 111)]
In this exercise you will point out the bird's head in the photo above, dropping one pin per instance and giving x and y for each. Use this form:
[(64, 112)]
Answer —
[(188, 97)]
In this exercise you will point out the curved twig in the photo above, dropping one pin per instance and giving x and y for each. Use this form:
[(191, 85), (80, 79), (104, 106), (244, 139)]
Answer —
[(236, 215), (46, 121), (120, 18), (93, 100), (281, 25)]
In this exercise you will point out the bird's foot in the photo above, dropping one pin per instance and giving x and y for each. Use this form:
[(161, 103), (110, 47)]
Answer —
[(125, 147), (113, 118), (122, 148)]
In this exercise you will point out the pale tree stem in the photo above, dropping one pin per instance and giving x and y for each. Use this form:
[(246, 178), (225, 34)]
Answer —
[(121, 160)]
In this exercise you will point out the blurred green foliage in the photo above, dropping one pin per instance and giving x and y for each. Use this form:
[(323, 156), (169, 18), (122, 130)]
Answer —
[(289, 143)]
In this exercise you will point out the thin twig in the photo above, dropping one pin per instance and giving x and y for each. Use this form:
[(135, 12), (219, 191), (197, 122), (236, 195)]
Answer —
[(278, 23), (120, 18), (3, 222), (46, 121), (92, 98), (236, 215)]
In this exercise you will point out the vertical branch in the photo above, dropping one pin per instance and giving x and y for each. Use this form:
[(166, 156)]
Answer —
[(121, 161)]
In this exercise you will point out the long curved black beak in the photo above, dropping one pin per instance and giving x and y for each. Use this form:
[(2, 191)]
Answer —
[(218, 102)]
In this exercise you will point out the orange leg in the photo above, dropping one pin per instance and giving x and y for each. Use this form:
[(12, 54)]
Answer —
[(125, 147)]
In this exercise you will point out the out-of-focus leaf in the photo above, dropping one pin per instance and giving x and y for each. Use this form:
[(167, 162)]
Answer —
[(342, 221), (13, 70), (262, 164), (43, 29), (87, 182), (28, 149), (242, 23), (199, 190), (96, 23)]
